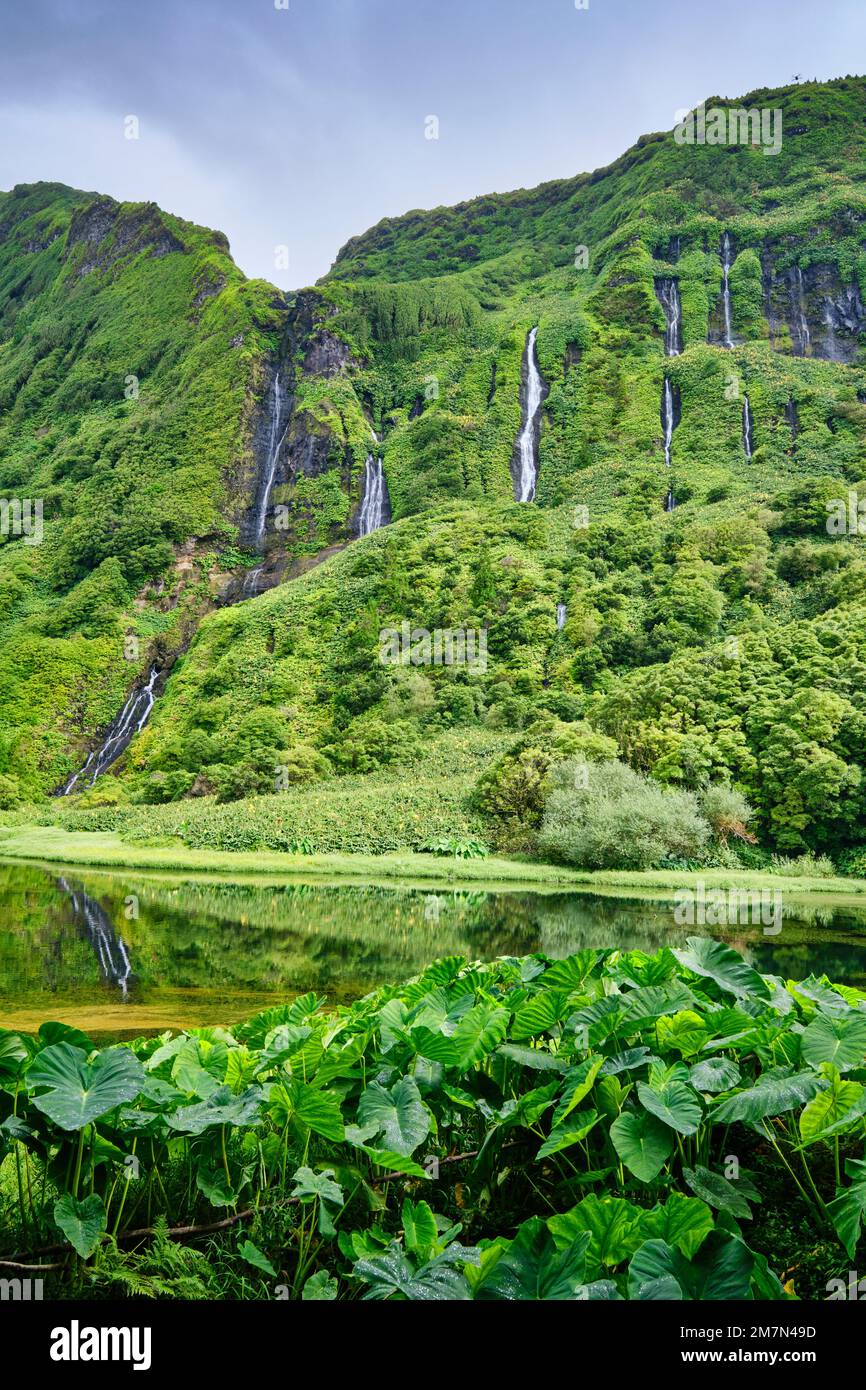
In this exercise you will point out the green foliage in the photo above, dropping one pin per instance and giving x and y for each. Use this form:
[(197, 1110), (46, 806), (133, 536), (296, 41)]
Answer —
[(606, 816), (561, 1074)]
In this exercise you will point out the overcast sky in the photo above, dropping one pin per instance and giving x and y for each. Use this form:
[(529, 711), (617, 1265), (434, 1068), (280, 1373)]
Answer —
[(304, 126)]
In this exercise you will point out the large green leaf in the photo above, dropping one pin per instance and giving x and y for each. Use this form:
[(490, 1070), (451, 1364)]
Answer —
[(309, 1107), (674, 1103), (577, 1083), (684, 1222), (838, 1040), (644, 1005), (721, 1270), (841, 1106), (718, 1191), (221, 1108), (83, 1223), (642, 1142), (398, 1113), (773, 1094), (714, 1074), (582, 1122), (614, 1227), (479, 1032), (395, 1274), (12, 1053), (723, 964), (255, 1257), (847, 1211), (79, 1091), (420, 1232), (538, 1014), (532, 1268)]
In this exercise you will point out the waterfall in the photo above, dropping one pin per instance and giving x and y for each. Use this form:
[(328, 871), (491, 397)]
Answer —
[(375, 504), (119, 734), (791, 417), (275, 443), (668, 294), (527, 443), (110, 948), (251, 583), (668, 418), (748, 428), (668, 426), (798, 304), (728, 340), (561, 615)]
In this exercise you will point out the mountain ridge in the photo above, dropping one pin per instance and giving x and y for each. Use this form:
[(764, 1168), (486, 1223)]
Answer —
[(426, 371)]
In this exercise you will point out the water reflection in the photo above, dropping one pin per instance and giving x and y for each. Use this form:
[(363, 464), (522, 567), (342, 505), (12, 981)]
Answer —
[(108, 946), (120, 955)]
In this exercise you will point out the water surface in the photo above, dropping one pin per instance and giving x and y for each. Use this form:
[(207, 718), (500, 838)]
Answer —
[(120, 954)]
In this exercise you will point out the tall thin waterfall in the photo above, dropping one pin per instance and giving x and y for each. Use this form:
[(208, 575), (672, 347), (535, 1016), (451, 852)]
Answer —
[(668, 294), (527, 443), (798, 305), (251, 582), (119, 734), (748, 428), (110, 949), (275, 442), (375, 504), (561, 615), (668, 432), (728, 340)]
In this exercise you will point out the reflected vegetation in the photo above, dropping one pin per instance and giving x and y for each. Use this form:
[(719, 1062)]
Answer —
[(124, 955)]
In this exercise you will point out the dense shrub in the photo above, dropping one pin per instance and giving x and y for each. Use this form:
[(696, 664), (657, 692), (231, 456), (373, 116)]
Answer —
[(606, 816)]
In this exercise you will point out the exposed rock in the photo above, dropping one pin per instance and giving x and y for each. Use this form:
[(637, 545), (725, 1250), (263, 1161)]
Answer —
[(209, 289), (810, 312), (108, 234), (326, 355)]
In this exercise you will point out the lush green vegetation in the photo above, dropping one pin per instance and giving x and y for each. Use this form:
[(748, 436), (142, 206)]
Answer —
[(611, 1125), (719, 644)]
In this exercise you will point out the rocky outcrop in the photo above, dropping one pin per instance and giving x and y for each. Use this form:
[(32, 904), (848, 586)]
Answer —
[(103, 233), (810, 312), (326, 355)]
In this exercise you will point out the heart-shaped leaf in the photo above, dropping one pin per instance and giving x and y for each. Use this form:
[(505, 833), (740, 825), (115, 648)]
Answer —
[(399, 1114), (80, 1091), (83, 1223), (642, 1142)]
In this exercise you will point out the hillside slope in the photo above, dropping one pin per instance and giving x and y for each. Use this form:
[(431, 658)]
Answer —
[(721, 638)]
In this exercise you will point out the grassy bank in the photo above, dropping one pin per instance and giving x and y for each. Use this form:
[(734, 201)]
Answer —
[(104, 849)]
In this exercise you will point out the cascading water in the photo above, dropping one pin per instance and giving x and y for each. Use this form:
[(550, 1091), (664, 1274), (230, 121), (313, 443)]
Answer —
[(561, 615), (251, 583), (728, 340), (110, 948), (792, 418), (668, 294), (798, 305), (668, 426), (748, 428), (277, 434), (375, 504), (527, 443), (119, 734)]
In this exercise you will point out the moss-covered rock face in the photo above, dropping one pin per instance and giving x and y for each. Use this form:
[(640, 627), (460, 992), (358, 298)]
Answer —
[(697, 638)]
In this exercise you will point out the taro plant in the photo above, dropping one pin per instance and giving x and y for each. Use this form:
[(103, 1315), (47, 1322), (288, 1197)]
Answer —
[(614, 1125)]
